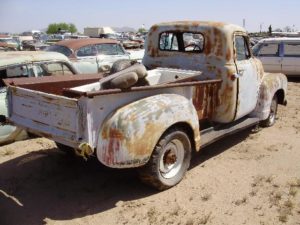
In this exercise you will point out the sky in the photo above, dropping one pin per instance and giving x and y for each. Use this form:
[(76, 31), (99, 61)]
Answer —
[(23, 15)]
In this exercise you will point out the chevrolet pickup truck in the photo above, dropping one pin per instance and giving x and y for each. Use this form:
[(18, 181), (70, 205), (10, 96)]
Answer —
[(198, 82)]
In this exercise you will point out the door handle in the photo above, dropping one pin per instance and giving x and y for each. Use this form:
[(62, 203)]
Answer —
[(241, 72)]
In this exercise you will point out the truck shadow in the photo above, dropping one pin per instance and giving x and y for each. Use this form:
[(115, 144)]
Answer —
[(219, 146), (294, 79), (50, 184)]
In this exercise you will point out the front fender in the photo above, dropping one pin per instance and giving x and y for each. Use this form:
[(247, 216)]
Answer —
[(128, 136), (270, 85)]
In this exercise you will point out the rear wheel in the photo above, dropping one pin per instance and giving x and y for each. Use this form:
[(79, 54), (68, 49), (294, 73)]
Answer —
[(270, 121), (169, 161)]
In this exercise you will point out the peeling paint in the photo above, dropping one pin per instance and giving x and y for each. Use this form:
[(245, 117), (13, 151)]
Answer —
[(125, 138)]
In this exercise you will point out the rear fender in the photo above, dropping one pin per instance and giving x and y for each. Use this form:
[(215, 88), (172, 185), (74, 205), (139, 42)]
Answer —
[(128, 136), (271, 84)]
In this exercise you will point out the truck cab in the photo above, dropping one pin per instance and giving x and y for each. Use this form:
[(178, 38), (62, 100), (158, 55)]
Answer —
[(220, 51)]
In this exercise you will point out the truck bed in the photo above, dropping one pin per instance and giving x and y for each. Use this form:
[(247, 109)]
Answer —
[(47, 113), (57, 108)]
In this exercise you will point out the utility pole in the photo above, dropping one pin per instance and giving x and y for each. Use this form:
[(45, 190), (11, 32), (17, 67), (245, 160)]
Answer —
[(260, 27)]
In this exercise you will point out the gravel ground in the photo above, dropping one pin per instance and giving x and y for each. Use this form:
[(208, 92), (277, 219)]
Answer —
[(247, 178)]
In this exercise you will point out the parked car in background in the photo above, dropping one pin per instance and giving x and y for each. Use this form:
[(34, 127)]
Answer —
[(34, 45), (9, 41), (27, 64), (4, 47), (93, 55), (279, 55)]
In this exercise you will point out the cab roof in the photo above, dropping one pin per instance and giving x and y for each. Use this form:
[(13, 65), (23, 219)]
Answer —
[(191, 25)]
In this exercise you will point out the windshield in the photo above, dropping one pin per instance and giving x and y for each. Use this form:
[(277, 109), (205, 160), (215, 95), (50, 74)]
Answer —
[(58, 48)]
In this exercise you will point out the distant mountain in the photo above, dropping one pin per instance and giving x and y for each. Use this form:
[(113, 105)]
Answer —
[(124, 29)]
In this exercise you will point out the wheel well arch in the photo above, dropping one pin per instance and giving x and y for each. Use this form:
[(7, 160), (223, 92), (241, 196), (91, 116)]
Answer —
[(280, 96), (184, 126)]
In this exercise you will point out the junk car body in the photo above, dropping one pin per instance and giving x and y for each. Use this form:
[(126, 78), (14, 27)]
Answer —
[(279, 55), (92, 55)]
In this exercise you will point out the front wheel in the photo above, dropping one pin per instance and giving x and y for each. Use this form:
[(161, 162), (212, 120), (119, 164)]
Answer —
[(270, 121), (169, 161)]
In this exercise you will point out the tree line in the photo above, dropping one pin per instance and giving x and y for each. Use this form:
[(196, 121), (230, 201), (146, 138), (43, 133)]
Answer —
[(55, 28)]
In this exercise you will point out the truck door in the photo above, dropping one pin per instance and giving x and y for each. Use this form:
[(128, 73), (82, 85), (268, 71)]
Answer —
[(248, 81)]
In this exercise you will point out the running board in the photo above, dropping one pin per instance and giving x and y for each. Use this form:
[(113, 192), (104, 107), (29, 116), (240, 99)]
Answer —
[(213, 134)]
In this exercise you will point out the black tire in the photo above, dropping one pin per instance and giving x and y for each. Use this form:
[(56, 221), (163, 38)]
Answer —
[(270, 121), (169, 161), (120, 65), (66, 149)]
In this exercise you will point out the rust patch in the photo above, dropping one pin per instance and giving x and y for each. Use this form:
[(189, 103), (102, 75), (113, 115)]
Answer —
[(111, 133), (208, 45), (142, 145), (218, 43), (154, 28), (228, 54), (205, 100)]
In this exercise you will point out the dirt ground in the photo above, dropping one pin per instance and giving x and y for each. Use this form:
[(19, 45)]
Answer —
[(247, 178)]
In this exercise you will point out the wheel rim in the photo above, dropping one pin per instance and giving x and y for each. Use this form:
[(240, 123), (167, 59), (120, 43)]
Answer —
[(171, 159), (273, 110)]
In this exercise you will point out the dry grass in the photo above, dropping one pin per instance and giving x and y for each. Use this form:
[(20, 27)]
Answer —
[(285, 211), (152, 215), (289, 204), (253, 193), (269, 179), (241, 201), (190, 221), (283, 218), (293, 191), (257, 181), (295, 183), (205, 197), (204, 219), (175, 211), (275, 198)]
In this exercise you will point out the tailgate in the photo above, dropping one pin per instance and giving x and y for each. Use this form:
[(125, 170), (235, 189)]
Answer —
[(50, 115)]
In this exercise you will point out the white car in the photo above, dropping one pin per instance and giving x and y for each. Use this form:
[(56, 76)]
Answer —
[(280, 55), (27, 64)]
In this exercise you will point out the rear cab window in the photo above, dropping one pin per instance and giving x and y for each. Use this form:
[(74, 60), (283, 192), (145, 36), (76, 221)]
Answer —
[(181, 42)]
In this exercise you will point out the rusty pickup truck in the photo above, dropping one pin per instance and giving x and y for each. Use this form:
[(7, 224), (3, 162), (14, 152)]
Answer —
[(198, 82)]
